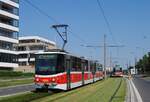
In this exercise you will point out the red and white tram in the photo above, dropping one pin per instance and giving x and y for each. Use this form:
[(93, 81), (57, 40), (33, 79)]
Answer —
[(61, 70)]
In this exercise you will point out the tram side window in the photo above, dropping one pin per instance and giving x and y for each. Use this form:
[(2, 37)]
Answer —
[(60, 64), (76, 64), (86, 66), (73, 67), (92, 66)]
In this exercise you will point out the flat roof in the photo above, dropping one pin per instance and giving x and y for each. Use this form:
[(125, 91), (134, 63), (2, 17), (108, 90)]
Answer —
[(37, 38)]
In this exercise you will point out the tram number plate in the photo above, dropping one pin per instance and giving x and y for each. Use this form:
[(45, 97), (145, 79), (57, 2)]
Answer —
[(45, 80)]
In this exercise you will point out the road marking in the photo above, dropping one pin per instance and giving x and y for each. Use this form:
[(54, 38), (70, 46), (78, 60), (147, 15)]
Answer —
[(133, 94), (138, 96)]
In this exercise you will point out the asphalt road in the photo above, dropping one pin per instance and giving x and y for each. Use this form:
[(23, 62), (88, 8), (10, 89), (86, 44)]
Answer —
[(143, 87), (16, 89)]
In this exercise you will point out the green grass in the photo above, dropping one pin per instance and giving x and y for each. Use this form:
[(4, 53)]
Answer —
[(26, 97), (120, 96), (14, 75), (100, 91), (15, 82)]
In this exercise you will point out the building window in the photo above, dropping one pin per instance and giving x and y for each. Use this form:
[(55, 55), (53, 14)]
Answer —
[(6, 45), (8, 8), (9, 21), (15, 23), (9, 34), (23, 56), (8, 58), (21, 48), (22, 64), (27, 41), (37, 47)]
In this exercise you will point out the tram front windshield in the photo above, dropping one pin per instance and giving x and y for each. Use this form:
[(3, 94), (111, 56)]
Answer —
[(49, 64)]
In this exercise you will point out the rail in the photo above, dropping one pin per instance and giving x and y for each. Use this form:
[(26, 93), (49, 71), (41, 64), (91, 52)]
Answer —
[(118, 87)]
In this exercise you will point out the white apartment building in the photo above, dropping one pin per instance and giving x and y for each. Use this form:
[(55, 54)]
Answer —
[(9, 31), (28, 46)]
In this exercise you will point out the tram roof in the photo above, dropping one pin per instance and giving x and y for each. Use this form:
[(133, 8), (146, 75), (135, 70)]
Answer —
[(59, 51)]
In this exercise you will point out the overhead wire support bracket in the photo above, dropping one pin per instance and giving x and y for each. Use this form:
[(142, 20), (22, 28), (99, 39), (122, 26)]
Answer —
[(63, 35)]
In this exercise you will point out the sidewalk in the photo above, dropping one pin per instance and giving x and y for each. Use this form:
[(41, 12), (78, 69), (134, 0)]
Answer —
[(132, 92)]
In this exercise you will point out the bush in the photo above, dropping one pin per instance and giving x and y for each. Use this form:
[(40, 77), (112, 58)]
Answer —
[(14, 74)]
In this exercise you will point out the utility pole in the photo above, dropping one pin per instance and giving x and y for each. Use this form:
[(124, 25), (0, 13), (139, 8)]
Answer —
[(111, 62), (105, 52), (105, 57)]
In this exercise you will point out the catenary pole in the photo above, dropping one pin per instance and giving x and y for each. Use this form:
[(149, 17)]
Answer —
[(105, 75)]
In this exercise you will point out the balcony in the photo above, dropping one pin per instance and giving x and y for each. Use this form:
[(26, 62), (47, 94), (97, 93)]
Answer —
[(9, 23), (6, 39), (16, 1), (9, 8), (8, 59), (7, 46), (9, 34), (5, 13), (8, 65), (9, 27), (11, 2), (4, 51)]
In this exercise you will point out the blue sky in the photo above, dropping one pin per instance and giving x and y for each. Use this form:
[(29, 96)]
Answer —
[(129, 21)]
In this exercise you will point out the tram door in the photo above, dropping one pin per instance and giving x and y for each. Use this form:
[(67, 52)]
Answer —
[(68, 74), (83, 67)]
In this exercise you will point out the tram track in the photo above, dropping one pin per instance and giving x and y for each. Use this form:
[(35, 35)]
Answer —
[(115, 92), (77, 90), (95, 91), (60, 94)]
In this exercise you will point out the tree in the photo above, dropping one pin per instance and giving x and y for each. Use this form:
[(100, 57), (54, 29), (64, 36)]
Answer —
[(143, 65)]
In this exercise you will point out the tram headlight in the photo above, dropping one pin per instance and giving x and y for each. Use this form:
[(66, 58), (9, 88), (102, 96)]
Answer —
[(37, 79), (53, 79)]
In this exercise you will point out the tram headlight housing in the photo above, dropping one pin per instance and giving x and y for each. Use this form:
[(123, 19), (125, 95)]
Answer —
[(53, 79), (37, 79)]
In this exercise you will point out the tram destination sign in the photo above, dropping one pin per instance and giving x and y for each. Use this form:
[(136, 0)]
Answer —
[(48, 56)]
